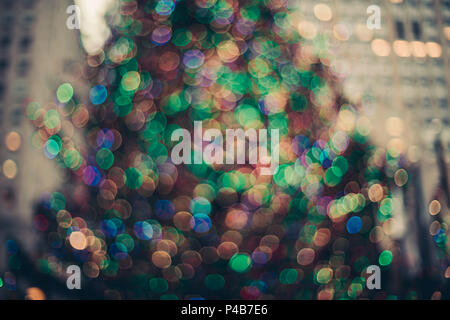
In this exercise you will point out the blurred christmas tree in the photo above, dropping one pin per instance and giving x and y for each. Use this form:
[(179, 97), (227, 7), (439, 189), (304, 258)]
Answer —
[(141, 227)]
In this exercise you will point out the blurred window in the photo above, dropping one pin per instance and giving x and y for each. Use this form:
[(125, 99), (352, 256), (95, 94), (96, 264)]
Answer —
[(25, 44), (7, 24), (19, 91), (441, 81), (22, 68), (8, 4), (400, 28), (429, 4), (5, 42), (2, 91), (28, 20), (4, 64), (16, 117), (7, 196), (417, 31), (29, 4), (427, 103)]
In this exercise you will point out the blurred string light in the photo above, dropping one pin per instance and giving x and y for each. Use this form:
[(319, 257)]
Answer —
[(13, 141), (405, 49), (10, 169)]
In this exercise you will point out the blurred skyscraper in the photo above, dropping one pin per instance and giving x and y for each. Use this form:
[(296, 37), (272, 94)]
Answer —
[(398, 71), (37, 53), (400, 75)]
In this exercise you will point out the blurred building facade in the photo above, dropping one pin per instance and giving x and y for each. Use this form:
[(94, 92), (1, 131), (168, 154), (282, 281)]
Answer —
[(400, 75), (37, 53), (400, 70)]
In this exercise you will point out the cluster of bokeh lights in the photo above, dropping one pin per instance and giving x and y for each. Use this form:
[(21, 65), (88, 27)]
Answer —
[(215, 231)]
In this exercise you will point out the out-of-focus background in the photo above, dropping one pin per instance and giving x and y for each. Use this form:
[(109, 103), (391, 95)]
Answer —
[(400, 73)]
